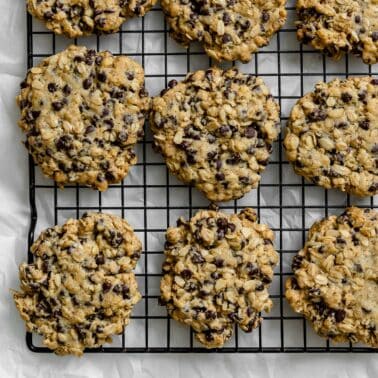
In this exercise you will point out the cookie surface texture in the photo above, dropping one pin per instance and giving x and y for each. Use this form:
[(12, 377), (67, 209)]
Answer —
[(332, 136), (215, 131), (335, 282), (80, 288), (217, 271), (82, 113), (77, 18), (228, 29), (337, 27)]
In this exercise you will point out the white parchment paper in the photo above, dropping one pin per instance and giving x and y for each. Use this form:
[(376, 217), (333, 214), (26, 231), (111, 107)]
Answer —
[(15, 359)]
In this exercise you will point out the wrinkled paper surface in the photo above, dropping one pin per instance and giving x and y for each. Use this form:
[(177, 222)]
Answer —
[(15, 359)]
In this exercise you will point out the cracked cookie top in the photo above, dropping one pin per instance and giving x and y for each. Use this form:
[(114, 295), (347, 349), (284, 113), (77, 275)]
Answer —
[(82, 113), (217, 271), (340, 26), (335, 282), (228, 29), (80, 288), (77, 18), (332, 135), (215, 130)]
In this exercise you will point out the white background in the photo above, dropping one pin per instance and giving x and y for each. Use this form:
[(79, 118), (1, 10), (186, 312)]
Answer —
[(15, 359)]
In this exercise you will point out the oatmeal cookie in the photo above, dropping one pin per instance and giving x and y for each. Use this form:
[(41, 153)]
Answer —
[(80, 289), (215, 130), (335, 282), (228, 29), (217, 271), (332, 136), (337, 27), (77, 18), (82, 113)]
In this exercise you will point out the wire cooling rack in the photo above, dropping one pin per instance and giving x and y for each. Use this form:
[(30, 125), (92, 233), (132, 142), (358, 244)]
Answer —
[(151, 199)]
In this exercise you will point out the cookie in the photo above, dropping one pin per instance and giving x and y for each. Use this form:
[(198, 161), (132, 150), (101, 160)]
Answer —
[(77, 18), (217, 271), (215, 131), (332, 136), (335, 282), (82, 113), (80, 289), (229, 29), (337, 27)]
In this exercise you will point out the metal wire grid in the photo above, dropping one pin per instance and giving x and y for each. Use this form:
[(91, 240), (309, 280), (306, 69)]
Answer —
[(277, 200)]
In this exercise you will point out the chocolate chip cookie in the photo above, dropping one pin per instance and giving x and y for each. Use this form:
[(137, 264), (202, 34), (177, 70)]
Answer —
[(337, 27), (80, 288), (228, 29), (215, 130), (217, 271), (77, 18), (82, 113), (335, 283), (332, 135)]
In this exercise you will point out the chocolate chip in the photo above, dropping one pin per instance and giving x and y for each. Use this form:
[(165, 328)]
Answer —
[(297, 262), (89, 129), (190, 158), (87, 83), (172, 83), (186, 274), (122, 136), (320, 308), (317, 115), (339, 315), (211, 155), (210, 314), (358, 268), (219, 262), (78, 59), (63, 143), (250, 132), (226, 18), (244, 180), (125, 291), (374, 36), (234, 159), (224, 130), (100, 259), (364, 124), (374, 81), (52, 87), (342, 125), (48, 15), (226, 38), (265, 16), (130, 76), (222, 223), (117, 288), (67, 90), (57, 105), (197, 258), (340, 240), (215, 275), (219, 176), (101, 76), (115, 239), (106, 286), (346, 97)]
